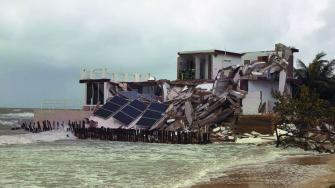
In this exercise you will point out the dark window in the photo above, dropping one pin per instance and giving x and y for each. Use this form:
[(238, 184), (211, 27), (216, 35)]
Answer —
[(101, 93), (95, 93), (246, 62), (186, 69), (89, 93), (203, 65), (244, 85), (262, 58)]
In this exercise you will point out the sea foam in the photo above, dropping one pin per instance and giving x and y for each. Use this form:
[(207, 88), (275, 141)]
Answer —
[(11, 123), (18, 115), (48, 136)]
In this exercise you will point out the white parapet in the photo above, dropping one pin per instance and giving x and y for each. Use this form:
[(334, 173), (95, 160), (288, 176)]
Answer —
[(86, 74)]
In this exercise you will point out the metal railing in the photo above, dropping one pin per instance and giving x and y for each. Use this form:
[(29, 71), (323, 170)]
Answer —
[(86, 74)]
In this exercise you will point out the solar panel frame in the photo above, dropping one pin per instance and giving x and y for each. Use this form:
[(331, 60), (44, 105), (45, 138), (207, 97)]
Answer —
[(110, 107), (101, 112), (152, 115), (146, 122), (132, 95), (133, 110), (123, 118), (118, 100), (158, 107), (138, 105)]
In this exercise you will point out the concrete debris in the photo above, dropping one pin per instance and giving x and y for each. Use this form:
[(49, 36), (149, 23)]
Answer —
[(206, 87), (197, 108), (321, 140), (207, 105)]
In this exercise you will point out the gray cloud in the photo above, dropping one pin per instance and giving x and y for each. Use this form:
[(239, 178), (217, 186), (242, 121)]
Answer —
[(46, 43)]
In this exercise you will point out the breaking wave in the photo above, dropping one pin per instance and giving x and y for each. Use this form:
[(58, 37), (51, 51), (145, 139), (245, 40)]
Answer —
[(18, 115), (48, 136), (10, 123)]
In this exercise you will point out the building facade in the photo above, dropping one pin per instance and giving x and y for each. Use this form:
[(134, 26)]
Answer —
[(204, 64)]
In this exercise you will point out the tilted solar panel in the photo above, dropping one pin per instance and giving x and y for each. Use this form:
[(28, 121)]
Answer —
[(118, 100), (123, 118), (132, 95), (130, 112), (102, 113), (158, 107), (138, 105), (146, 123), (112, 106), (153, 114)]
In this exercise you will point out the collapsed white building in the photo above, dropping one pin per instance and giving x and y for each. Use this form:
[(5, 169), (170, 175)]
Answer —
[(245, 80)]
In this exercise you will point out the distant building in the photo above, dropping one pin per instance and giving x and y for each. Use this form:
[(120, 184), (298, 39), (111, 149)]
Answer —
[(204, 64)]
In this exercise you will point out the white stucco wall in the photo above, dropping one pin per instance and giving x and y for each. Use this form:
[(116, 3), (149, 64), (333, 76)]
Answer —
[(264, 88), (252, 56), (219, 63), (250, 103)]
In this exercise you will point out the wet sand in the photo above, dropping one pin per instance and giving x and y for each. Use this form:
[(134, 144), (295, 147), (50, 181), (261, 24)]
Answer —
[(301, 171)]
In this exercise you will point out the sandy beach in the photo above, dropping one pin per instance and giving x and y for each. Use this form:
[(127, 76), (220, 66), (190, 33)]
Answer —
[(301, 171)]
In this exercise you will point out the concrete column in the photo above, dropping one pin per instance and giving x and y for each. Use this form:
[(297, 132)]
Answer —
[(197, 67), (106, 91), (206, 67)]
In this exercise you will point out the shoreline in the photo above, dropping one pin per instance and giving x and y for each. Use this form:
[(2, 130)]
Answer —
[(310, 171)]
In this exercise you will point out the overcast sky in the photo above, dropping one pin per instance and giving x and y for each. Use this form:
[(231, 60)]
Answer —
[(45, 43)]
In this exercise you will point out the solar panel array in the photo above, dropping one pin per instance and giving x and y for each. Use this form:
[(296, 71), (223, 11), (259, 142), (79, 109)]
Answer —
[(112, 106), (132, 95), (130, 112), (153, 113)]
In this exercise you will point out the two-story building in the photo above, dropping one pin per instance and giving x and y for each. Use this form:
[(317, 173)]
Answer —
[(204, 64), (259, 83)]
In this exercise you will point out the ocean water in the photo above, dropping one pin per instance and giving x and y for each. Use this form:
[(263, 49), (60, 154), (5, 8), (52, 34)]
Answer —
[(58, 159)]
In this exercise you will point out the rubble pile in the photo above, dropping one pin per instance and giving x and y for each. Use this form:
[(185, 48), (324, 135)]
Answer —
[(211, 106), (223, 133), (321, 139), (203, 108), (199, 108)]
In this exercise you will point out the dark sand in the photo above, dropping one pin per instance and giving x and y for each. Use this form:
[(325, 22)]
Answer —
[(304, 171)]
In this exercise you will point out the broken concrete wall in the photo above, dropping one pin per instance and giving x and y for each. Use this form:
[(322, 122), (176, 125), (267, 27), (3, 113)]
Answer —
[(224, 61), (260, 123), (251, 103), (264, 89)]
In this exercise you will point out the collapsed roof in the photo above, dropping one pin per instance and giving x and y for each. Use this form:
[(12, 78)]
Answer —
[(193, 104)]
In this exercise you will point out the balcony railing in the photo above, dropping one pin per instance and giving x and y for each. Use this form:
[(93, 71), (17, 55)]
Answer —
[(87, 74)]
